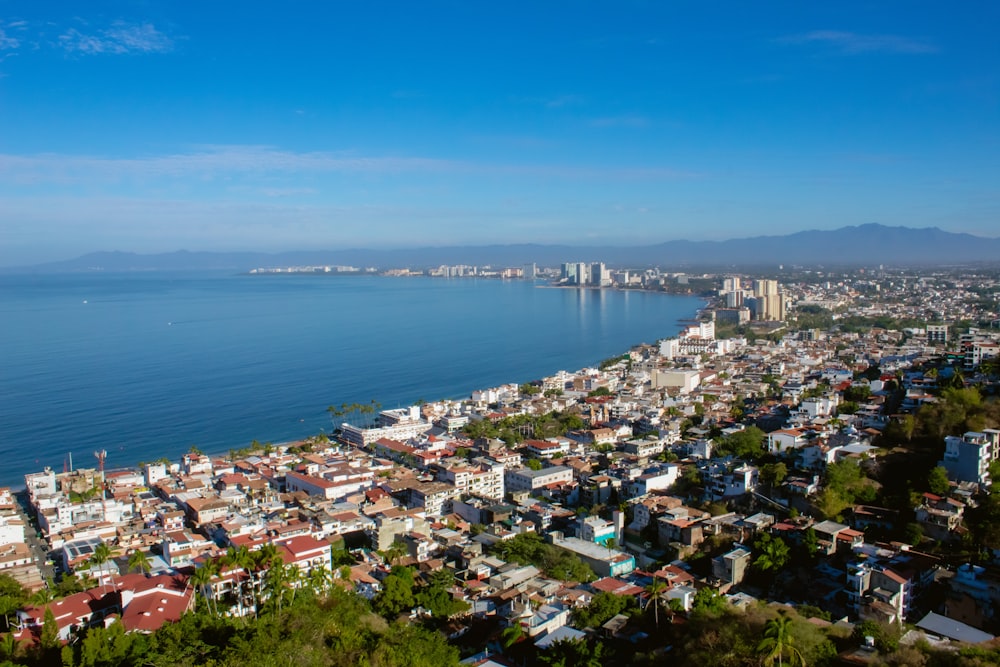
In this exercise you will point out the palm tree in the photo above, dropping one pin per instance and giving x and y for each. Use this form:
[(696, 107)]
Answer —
[(139, 560), (511, 635), (277, 579), (240, 557), (395, 552), (778, 641), (202, 580), (265, 559), (655, 588), (611, 543), (320, 579), (9, 646), (42, 597), (101, 555)]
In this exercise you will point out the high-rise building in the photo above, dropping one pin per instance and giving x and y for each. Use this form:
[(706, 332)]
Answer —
[(568, 273), (599, 275)]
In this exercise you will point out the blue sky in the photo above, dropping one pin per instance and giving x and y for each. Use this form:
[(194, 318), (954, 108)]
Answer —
[(153, 126)]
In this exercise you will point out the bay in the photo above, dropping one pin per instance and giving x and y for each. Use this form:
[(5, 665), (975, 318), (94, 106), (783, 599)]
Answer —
[(145, 365)]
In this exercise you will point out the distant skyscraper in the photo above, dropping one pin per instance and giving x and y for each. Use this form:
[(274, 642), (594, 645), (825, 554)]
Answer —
[(599, 275), (768, 302), (568, 273), (530, 271)]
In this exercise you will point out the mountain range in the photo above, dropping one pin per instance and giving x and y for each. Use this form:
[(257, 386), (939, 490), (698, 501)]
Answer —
[(856, 245)]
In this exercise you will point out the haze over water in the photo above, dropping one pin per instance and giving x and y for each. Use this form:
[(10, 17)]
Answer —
[(146, 364)]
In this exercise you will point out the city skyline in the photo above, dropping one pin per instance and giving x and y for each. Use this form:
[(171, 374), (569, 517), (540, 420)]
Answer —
[(152, 128)]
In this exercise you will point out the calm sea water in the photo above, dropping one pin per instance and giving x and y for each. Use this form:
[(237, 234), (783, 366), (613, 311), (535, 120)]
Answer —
[(145, 365)]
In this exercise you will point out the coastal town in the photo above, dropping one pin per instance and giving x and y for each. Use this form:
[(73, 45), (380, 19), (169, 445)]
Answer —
[(816, 449)]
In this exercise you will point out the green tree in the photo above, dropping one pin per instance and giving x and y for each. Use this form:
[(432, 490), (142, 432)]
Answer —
[(436, 596), (9, 648), (574, 653), (201, 579), (708, 601), (937, 480), (12, 597), (913, 533), (773, 474), (772, 553), (655, 590), (139, 561), (511, 635), (810, 543), (778, 642), (602, 608), (746, 444), (50, 632), (42, 596), (396, 595), (395, 551), (100, 557), (847, 408)]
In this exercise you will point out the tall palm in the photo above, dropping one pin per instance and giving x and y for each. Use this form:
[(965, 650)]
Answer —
[(266, 559), (241, 558), (778, 642), (655, 588), (320, 579), (139, 560), (276, 581), (202, 581), (101, 555), (296, 577)]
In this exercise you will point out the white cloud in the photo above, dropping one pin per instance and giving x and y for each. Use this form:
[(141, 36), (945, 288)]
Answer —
[(120, 38), (851, 43), (8, 42)]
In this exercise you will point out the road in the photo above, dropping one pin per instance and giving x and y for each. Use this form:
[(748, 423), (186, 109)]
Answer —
[(39, 548)]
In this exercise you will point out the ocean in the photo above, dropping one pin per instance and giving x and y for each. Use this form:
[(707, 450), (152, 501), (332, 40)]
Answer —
[(145, 365)]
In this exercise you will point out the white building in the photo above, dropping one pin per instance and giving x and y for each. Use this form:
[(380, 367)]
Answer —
[(529, 480), (485, 481), (684, 380)]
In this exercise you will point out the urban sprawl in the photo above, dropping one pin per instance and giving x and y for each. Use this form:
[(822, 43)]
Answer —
[(818, 445)]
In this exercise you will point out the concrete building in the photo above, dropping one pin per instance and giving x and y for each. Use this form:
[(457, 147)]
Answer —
[(684, 380), (731, 567), (605, 562), (967, 458), (530, 480)]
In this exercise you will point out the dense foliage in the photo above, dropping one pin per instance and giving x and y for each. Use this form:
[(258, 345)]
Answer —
[(338, 629), (531, 549), (513, 430), (603, 607)]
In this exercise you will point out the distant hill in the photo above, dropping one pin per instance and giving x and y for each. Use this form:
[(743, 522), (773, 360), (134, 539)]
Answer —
[(864, 244)]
